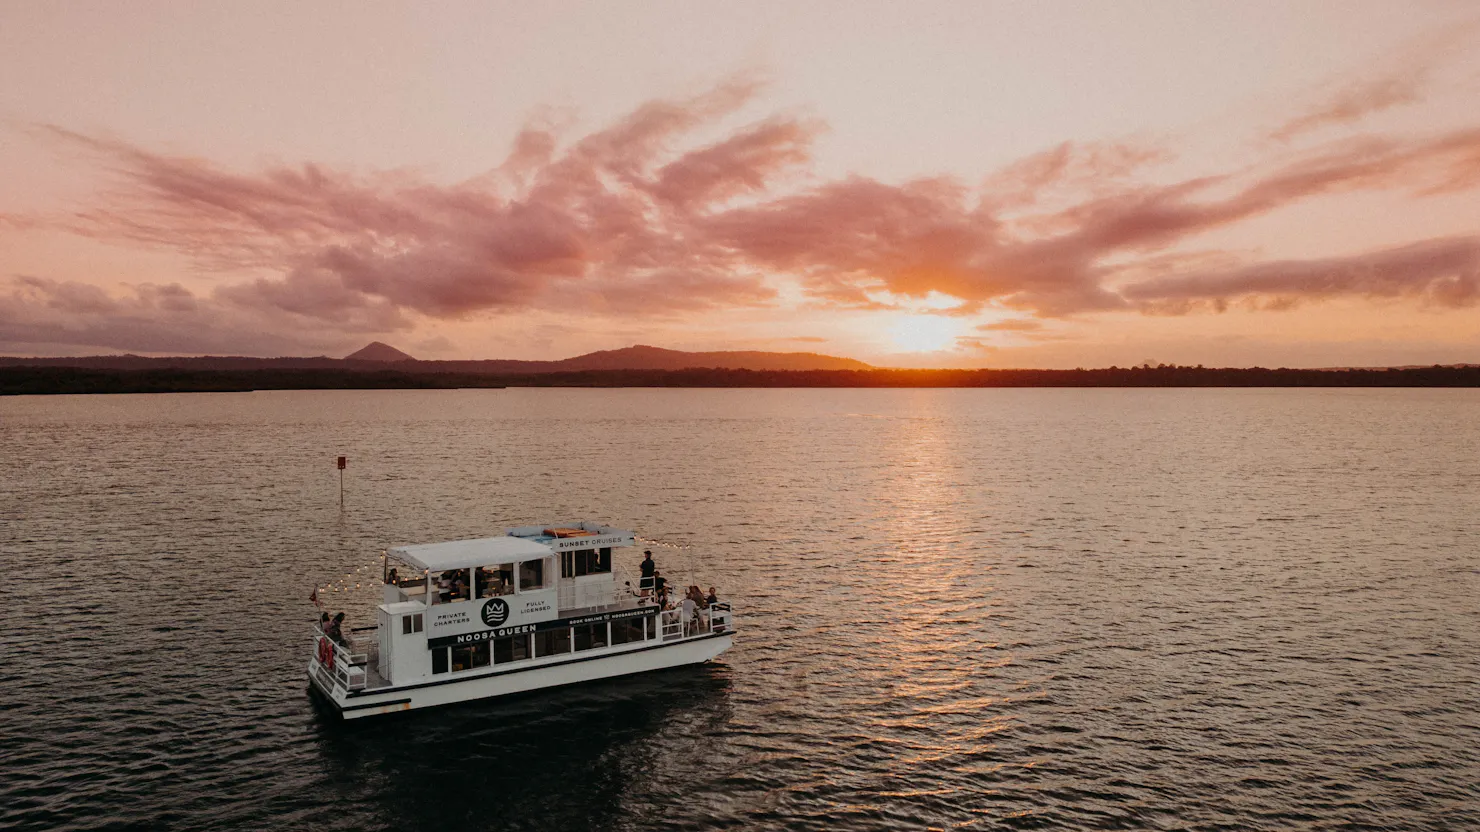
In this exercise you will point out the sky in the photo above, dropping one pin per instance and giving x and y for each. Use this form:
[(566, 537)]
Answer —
[(974, 184)]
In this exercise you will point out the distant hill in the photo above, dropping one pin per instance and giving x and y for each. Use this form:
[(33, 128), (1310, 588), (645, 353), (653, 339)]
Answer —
[(629, 358), (654, 358), (377, 351)]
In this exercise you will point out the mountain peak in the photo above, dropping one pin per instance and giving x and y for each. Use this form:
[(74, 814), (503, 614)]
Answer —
[(376, 351)]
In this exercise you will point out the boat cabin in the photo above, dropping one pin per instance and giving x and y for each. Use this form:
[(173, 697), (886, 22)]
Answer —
[(470, 604)]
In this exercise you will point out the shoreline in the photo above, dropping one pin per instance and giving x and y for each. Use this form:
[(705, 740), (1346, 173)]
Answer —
[(55, 380)]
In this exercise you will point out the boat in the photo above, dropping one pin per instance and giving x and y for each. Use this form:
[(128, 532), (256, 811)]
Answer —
[(537, 607)]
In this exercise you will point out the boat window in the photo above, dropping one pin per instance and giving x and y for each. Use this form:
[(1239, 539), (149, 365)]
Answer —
[(495, 580), (629, 630), (462, 657), (450, 585), (552, 642), (439, 660), (511, 649), (531, 575), (470, 656), (410, 624), (588, 636), (585, 562)]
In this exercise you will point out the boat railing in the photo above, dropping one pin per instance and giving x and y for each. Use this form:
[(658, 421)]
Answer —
[(343, 663)]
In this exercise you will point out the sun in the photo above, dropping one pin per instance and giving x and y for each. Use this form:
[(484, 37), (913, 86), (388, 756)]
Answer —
[(924, 333)]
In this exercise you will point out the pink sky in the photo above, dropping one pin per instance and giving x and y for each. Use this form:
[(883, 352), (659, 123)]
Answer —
[(974, 184)]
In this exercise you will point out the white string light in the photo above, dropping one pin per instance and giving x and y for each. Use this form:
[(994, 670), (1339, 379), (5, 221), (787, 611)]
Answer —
[(647, 541)]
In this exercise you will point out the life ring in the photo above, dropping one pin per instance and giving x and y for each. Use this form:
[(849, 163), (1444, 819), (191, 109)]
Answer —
[(326, 651)]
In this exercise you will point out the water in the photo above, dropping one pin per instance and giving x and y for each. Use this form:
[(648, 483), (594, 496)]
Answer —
[(978, 609)]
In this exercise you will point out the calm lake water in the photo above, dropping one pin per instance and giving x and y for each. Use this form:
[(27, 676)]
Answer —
[(958, 609)]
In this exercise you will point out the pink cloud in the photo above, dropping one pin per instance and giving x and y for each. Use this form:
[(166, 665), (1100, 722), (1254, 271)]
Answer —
[(1355, 102), (149, 318), (1443, 272)]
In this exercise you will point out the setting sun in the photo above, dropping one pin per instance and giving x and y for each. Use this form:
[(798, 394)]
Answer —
[(924, 333)]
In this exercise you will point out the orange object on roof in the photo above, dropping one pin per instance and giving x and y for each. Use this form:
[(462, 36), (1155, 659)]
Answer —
[(568, 532)]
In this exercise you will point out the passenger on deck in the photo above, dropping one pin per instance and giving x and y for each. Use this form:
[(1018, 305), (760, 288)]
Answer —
[(689, 615), (649, 569), (336, 630), (712, 599), (491, 581), (660, 587), (392, 577)]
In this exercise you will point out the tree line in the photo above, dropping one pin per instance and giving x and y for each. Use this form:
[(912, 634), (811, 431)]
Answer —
[(62, 380)]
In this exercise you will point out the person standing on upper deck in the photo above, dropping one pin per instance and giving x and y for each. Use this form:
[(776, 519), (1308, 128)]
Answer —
[(649, 568), (660, 589)]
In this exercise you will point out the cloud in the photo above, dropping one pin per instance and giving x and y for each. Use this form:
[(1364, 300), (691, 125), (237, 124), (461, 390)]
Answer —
[(853, 241), (1443, 272), (1355, 102), (150, 318), (587, 221), (639, 220), (1402, 77), (1071, 170)]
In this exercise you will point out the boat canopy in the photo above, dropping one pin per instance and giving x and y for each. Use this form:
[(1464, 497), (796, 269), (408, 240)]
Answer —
[(462, 554)]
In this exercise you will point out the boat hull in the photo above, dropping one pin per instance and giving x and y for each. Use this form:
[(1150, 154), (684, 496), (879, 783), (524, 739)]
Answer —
[(547, 673)]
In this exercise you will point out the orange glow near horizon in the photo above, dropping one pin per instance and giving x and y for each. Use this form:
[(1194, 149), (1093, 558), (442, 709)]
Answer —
[(923, 333)]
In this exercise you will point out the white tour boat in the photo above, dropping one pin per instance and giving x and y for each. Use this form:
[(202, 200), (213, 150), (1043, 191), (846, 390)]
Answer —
[(538, 607)]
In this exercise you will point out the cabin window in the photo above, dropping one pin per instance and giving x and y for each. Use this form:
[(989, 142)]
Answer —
[(589, 636), (511, 649), (462, 657), (450, 585), (585, 562), (495, 580), (477, 656), (410, 624), (531, 575), (439, 660), (552, 642), (629, 630)]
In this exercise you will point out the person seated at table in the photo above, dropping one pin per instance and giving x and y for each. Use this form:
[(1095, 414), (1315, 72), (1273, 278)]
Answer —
[(711, 599), (689, 615)]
